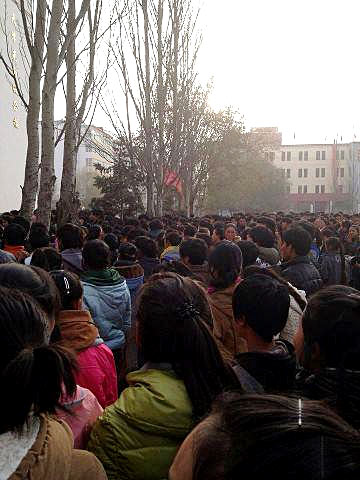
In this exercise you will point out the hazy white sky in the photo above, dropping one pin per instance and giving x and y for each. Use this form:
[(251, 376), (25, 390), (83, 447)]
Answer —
[(293, 64)]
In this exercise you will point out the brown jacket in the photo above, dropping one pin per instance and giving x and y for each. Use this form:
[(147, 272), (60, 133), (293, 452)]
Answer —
[(52, 457), (224, 324)]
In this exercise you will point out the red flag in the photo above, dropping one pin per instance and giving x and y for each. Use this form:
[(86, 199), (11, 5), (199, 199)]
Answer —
[(172, 179)]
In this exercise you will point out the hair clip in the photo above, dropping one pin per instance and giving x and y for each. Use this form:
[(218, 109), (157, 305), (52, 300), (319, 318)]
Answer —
[(187, 311), (300, 413), (67, 285)]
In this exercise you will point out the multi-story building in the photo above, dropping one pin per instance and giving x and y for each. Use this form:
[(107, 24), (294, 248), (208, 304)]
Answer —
[(97, 147), (320, 177), (13, 139)]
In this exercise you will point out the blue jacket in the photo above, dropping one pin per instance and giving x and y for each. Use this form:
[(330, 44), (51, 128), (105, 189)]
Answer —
[(107, 297)]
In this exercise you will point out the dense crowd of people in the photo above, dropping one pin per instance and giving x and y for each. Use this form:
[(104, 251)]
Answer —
[(180, 348)]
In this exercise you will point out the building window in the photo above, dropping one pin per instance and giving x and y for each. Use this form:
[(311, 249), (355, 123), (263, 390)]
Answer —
[(323, 155), (342, 155), (322, 188), (317, 188), (318, 155), (337, 154), (300, 189), (305, 172), (89, 162), (317, 173), (288, 156), (300, 156), (323, 172), (267, 156), (306, 156), (342, 172), (287, 188), (300, 173), (272, 156), (288, 173), (304, 188), (283, 156)]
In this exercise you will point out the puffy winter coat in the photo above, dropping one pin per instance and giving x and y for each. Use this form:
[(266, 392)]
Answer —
[(107, 298), (331, 268), (303, 274), (138, 437)]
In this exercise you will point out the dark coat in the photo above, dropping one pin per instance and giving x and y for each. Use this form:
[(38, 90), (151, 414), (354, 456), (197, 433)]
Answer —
[(331, 268), (302, 274)]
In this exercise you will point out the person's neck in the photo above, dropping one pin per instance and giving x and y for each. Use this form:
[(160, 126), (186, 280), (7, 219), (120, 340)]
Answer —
[(256, 344)]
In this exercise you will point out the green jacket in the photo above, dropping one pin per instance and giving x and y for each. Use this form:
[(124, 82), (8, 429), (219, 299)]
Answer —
[(138, 436)]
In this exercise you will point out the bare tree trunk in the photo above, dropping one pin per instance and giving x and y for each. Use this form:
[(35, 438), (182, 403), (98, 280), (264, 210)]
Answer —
[(66, 203), (47, 178), (31, 181), (148, 121)]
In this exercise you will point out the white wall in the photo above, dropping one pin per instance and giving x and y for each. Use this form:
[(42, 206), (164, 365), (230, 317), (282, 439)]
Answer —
[(13, 141)]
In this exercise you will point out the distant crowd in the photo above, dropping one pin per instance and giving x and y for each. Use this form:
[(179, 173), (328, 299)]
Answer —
[(180, 348)]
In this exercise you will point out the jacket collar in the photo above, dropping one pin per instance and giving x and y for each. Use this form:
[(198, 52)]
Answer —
[(296, 260)]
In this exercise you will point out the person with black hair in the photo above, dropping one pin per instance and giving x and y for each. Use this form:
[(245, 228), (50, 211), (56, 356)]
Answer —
[(147, 254), (193, 254), (14, 239), (297, 267), (38, 238), (225, 266), (112, 241), (95, 232), (250, 252), (261, 308), (230, 232), (268, 223), (218, 234), (156, 227), (172, 243), (314, 233), (139, 435), (34, 376), (332, 263), (46, 258), (96, 367), (265, 241), (129, 267), (106, 296), (70, 239), (189, 231), (331, 330), (257, 435)]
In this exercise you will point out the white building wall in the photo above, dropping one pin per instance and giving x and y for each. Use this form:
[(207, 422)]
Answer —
[(13, 139)]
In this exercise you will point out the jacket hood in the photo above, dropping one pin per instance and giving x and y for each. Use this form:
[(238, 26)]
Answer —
[(103, 278), (222, 299), (158, 404), (274, 370), (72, 259), (340, 389), (130, 269), (78, 331)]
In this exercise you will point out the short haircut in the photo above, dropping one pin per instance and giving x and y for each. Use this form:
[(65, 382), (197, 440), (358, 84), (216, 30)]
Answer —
[(14, 235), (96, 255), (189, 230), (299, 239), (70, 236), (147, 247), (46, 258), (264, 302), (127, 251), (268, 222), (173, 238), (195, 249), (219, 230), (309, 227), (22, 222), (250, 252), (156, 224), (262, 236)]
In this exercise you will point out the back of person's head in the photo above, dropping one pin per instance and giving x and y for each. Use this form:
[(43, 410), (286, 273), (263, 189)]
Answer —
[(128, 252), (173, 238), (96, 255), (299, 239), (206, 224), (173, 322), (156, 224), (69, 287), (25, 224), (38, 236), (268, 223), (219, 230), (309, 227), (225, 264), (136, 232), (33, 281), (333, 244), (112, 241), (147, 247), (194, 250), (189, 230), (262, 236), (46, 258), (33, 373), (205, 237), (250, 252), (332, 320), (252, 435), (263, 303), (14, 235), (95, 232), (70, 236)]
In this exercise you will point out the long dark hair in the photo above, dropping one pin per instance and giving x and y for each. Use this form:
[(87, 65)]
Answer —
[(225, 264), (174, 320), (69, 287), (333, 244), (32, 372), (252, 435)]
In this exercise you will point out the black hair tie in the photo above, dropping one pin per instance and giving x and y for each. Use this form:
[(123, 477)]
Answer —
[(187, 311)]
